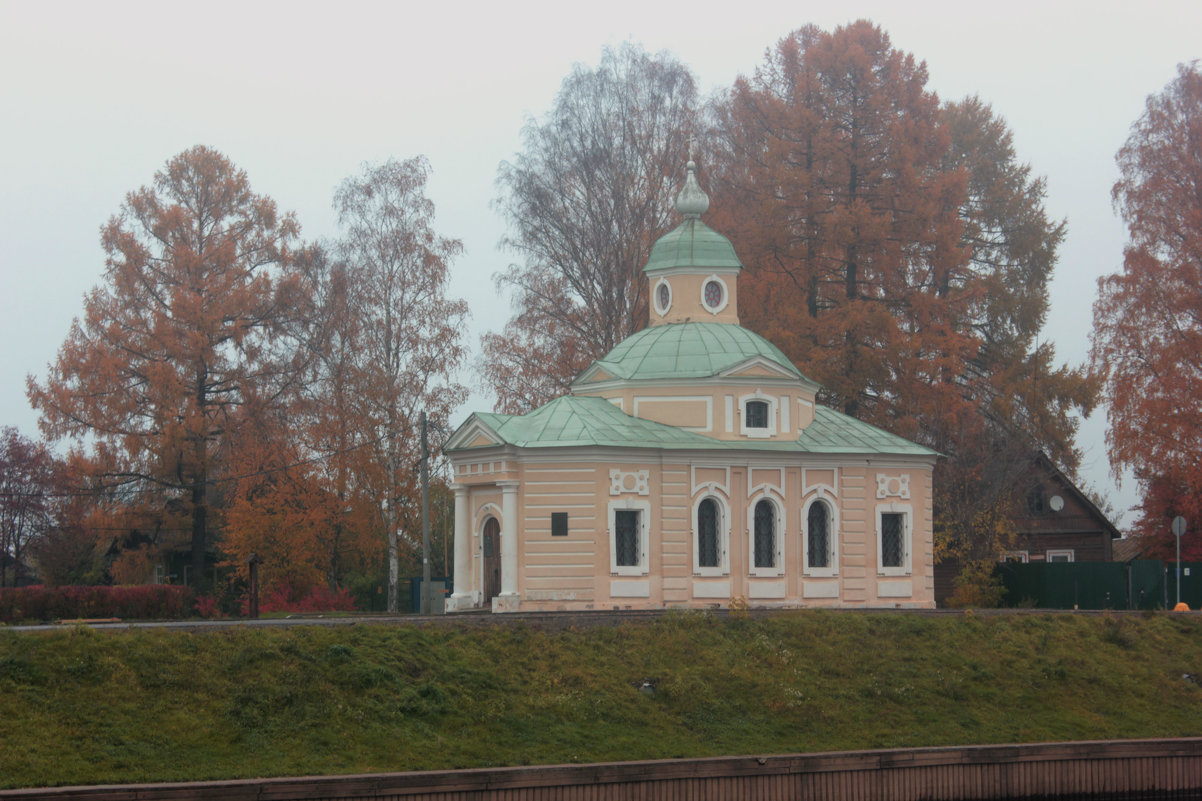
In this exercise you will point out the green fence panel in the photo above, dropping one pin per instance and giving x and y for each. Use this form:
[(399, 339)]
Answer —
[(1191, 584), (1140, 584), (1066, 585), (1147, 584)]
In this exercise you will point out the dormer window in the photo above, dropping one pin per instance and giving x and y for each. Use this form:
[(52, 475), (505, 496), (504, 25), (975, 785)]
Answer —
[(757, 414)]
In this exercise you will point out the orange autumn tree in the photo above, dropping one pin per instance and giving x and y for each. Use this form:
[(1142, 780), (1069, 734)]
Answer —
[(385, 343), (899, 254), (183, 335), (1147, 342), (585, 199), (284, 510)]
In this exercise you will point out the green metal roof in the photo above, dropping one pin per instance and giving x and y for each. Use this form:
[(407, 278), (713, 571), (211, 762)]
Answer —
[(834, 432), (574, 421), (586, 420), (689, 350), (692, 244)]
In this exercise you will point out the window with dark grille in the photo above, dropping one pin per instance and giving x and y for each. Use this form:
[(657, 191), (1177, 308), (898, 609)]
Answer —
[(626, 537), (488, 544), (707, 533), (559, 524), (892, 539), (765, 534), (1036, 500), (757, 414), (818, 548)]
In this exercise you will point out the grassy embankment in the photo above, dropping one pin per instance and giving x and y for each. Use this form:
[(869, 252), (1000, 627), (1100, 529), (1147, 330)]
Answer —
[(81, 706)]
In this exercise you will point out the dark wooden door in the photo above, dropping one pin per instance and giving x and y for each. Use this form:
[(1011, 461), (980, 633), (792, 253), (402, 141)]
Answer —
[(492, 560)]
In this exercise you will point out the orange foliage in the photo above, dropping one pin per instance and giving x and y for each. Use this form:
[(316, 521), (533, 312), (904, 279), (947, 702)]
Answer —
[(183, 332), (899, 255), (1148, 318)]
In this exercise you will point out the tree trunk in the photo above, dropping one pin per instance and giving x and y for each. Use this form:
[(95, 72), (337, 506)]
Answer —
[(199, 530), (393, 567)]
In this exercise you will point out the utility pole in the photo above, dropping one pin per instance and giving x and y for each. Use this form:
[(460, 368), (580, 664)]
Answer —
[(425, 476)]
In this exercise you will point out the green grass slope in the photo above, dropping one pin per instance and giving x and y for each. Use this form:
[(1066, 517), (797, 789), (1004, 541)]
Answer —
[(81, 706)]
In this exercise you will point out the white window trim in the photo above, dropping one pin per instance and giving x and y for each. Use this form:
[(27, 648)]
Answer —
[(773, 410), (723, 568), (1069, 552), (1016, 556), (781, 528), (644, 509), (725, 294), (832, 538), (907, 513), (661, 311)]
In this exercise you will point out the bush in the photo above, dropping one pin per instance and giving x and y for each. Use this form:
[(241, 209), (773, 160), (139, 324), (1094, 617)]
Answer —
[(145, 602), (977, 587), (287, 598), (207, 606)]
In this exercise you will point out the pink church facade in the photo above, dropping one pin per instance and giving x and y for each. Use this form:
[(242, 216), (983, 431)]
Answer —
[(692, 466)]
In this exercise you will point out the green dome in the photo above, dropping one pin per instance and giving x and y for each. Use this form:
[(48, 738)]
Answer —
[(692, 244), (689, 350)]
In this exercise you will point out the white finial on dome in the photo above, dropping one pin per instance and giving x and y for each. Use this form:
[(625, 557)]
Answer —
[(692, 200)]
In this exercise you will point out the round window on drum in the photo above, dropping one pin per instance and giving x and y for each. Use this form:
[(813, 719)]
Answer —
[(714, 292), (663, 297)]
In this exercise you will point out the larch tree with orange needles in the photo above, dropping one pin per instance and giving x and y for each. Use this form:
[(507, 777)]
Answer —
[(899, 254), (181, 340), (1147, 342)]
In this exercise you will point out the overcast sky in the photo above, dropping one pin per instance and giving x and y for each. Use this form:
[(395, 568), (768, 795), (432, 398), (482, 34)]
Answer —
[(96, 96)]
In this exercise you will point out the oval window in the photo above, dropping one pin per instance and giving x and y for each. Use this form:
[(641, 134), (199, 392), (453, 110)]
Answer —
[(665, 297), (713, 294)]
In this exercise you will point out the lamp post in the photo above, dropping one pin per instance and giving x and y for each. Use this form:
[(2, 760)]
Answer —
[(1178, 529)]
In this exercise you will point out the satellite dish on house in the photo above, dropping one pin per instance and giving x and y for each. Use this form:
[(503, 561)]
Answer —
[(1056, 502)]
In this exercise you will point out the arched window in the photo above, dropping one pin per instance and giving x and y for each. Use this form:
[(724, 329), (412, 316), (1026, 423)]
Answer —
[(820, 540), (709, 553), (765, 534)]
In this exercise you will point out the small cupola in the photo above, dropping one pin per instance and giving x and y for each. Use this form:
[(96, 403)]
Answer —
[(692, 270)]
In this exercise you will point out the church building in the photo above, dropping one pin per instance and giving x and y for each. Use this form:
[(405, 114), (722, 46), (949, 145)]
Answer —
[(689, 467)]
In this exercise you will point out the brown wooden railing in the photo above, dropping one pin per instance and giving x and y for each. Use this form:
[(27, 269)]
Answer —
[(1123, 769)]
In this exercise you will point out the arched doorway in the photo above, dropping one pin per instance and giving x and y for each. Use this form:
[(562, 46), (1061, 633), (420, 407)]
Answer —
[(491, 545)]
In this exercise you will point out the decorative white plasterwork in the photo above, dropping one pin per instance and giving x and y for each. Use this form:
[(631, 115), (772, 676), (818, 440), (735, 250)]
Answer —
[(709, 486), (820, 487), (778, 488), (707, 400), (481, 516), (763, 397), (888, 486), (629, 482)]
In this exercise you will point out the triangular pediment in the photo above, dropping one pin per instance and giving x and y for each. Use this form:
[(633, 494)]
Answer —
[(758, 367), (473, 434), (594, 374)]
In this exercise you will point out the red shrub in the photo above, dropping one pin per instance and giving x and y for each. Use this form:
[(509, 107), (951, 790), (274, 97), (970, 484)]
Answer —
[(285, 598), (207, 607), (145, 602)]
